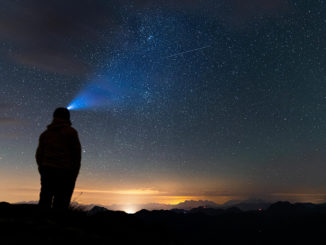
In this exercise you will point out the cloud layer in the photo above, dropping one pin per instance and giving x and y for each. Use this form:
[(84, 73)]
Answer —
[(50, 35)]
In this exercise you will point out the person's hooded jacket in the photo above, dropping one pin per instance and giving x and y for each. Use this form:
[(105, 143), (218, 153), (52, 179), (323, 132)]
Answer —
[(59, 146)]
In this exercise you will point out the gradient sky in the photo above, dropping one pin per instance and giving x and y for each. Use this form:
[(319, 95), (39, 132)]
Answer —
[(202, 99)]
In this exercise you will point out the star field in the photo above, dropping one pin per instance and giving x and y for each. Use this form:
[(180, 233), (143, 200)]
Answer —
[(207, 99)]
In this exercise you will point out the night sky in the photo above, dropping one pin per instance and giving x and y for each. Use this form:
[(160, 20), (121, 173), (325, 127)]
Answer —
[(194, 100)]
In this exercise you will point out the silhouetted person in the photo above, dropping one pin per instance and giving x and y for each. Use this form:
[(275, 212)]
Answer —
[(58, 158)]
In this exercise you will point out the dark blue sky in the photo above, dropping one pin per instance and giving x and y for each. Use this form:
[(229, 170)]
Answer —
[(207, 99)]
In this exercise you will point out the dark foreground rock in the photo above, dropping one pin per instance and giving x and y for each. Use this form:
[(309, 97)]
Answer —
[(281, 223)]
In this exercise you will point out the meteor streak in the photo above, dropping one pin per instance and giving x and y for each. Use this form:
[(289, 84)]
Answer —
[(188, 51)]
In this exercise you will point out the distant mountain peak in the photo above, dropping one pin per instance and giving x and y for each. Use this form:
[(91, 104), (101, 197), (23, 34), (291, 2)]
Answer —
[(96, 210)]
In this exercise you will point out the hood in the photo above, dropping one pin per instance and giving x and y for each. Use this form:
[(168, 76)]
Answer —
[(58, 123)]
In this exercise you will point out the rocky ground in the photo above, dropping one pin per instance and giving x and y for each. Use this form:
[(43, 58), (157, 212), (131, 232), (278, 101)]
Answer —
[(281, 223)]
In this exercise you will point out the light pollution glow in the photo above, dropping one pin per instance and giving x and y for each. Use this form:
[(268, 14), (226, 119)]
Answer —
[(127, 199)]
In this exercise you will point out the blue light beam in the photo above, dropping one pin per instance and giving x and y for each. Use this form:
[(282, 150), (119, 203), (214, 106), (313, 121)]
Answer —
[(97, 95)]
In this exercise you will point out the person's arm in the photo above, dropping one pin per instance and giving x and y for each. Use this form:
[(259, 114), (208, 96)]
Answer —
[(76, 152), (39, 152)]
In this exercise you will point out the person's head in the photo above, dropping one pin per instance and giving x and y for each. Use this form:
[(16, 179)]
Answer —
[(62, 113)]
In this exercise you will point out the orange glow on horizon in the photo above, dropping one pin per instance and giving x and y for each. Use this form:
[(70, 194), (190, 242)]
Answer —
[(122, 192), (25, 187)]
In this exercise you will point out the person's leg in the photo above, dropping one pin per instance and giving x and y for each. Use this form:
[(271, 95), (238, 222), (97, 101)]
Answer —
[(46, 193), (64, 190)]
